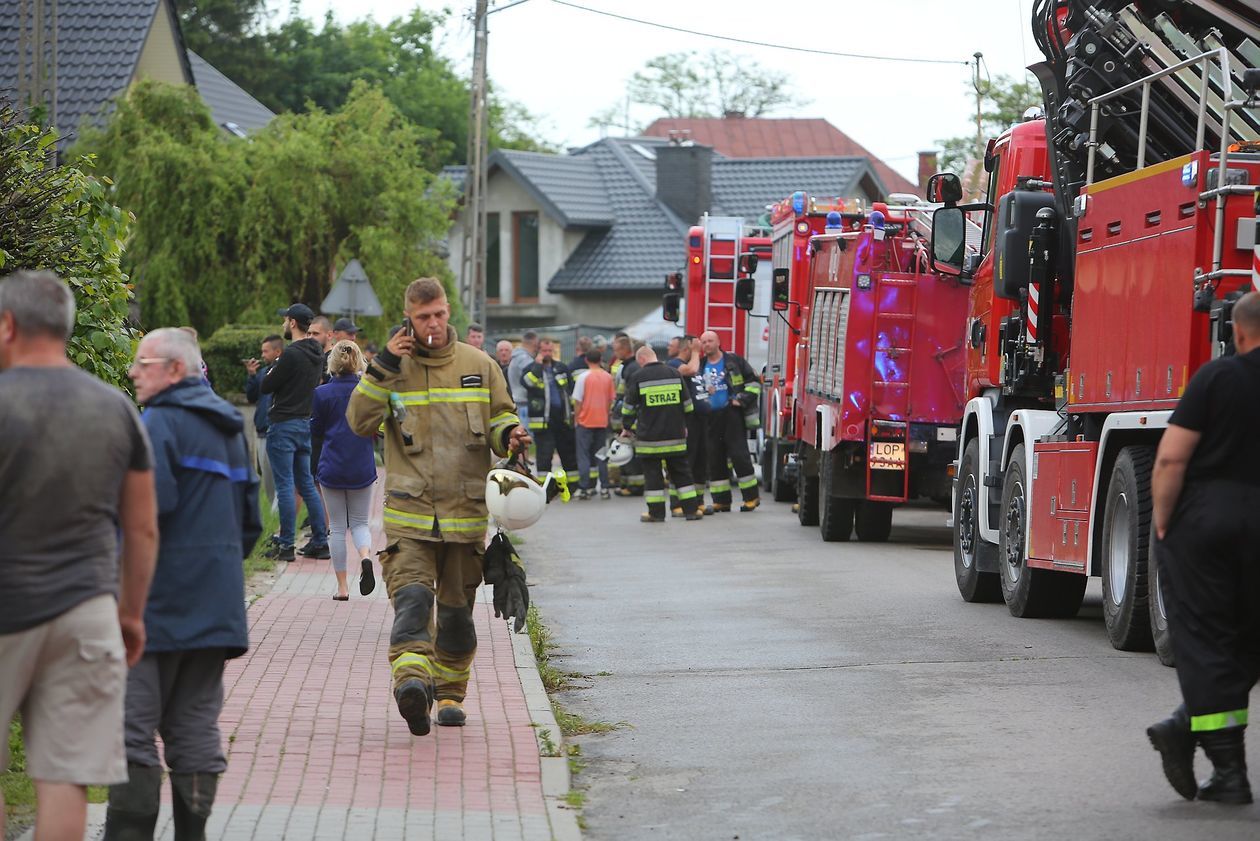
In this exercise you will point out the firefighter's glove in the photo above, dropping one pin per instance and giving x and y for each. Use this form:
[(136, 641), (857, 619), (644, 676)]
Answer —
[(503, 570)]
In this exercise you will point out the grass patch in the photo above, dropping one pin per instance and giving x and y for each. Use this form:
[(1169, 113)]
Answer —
[(575, 798), (257, 561), (572, 724), (554, 680), (19, 789)]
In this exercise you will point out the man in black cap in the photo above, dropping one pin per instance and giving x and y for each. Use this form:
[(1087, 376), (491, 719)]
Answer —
[(291, 382), (344, 330)]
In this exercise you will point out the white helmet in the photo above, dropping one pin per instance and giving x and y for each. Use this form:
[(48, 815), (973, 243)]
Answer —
[(516, 499), (620, 451)]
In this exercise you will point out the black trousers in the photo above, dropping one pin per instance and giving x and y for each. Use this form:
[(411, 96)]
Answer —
[(727, 441), (1209, 564), (557, 436), (679, 477)]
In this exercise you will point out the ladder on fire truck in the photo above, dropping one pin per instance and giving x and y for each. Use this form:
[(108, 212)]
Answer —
[(720, 315), (892, 342)]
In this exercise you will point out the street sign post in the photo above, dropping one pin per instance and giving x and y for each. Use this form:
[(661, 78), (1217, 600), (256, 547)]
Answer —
[(352, 294)]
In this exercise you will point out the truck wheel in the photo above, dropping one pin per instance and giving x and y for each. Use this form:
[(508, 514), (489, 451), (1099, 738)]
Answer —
[(780, 489), (806, 497), (1160, 634), (873, 521), (835, 514), (1029, 592), (1126, 530), (970, 550)]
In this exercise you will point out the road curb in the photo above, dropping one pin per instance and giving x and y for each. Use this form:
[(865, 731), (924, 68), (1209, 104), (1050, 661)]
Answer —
[(555, 769)]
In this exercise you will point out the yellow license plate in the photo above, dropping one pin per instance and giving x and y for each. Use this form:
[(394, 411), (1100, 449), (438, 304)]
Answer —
[(888, 455)]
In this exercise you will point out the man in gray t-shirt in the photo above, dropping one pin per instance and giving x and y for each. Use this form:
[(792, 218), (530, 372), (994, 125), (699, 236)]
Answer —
[(75, 475)]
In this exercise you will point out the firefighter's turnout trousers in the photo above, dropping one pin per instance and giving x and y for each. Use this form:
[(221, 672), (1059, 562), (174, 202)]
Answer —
[(673, 458), (433, 642), (1209, 565), (727, 441)]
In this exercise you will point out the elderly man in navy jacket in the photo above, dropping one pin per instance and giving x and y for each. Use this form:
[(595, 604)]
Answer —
[(195, 618)]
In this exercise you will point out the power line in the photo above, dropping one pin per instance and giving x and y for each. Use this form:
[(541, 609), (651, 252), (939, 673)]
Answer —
[(756, 43)]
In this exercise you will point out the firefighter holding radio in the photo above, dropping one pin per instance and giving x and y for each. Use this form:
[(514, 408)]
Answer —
[(1206, 495)]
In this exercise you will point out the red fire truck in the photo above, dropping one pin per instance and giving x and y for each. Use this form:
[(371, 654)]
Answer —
[(793, 222), (706, 299), (1124, 229), (877, 381)]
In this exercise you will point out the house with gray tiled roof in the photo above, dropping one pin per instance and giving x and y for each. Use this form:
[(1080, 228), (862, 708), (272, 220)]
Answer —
[(102, 47), (588, 237)]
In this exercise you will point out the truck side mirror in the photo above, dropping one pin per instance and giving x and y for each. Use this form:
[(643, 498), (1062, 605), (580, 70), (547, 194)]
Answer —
[(747, 264), (949, 236), (780, 290), (745, 293), (944, 188), (671, 301)]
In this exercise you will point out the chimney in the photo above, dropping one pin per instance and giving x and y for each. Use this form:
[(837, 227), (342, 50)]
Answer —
[(927, 168), (684, 178)]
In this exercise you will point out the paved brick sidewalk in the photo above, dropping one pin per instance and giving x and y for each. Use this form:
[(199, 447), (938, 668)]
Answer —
[(316, 749)]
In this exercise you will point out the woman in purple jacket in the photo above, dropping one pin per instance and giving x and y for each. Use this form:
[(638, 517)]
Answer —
[(347, 467)]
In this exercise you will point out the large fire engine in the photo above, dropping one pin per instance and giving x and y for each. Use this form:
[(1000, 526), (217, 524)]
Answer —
[(1124, 229), (706, 297), (793, 222), (877, 372)]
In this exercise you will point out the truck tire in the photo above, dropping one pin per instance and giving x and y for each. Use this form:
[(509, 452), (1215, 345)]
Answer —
[(970, 550), (1126, 530), (781, 490), (835, 514), (873, 521), (806, 496), (1029, 592), (1161, 637), (767, 466)]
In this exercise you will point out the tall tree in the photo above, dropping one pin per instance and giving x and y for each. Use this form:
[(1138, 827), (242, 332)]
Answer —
[(229, 227), (716, 84)]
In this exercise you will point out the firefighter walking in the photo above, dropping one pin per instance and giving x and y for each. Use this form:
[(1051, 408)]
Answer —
[(1206, 495), (446, 407), (656, 407), (733, 390)]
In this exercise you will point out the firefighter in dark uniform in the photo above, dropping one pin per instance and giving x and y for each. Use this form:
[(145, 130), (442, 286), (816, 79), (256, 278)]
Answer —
[(1206, 508), (549, 384), (656, 407), (733, 390), (623, 368)]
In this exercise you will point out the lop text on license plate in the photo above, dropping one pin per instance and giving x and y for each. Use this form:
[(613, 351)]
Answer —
[(888, 455)]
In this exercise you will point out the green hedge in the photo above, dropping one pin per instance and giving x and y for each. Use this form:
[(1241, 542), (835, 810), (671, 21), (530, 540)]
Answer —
[(224, 351)]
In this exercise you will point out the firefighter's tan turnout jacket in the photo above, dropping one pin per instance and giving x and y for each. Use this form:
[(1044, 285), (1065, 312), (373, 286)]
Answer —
[(455, 411)]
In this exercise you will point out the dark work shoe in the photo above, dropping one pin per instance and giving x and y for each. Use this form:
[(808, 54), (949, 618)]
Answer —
[(695, 515), (367, 581), (319, 553), (450, 713), (1175, 743), (414, 700), (648, 518), (1228, 783), (750, 505), (280, 552)]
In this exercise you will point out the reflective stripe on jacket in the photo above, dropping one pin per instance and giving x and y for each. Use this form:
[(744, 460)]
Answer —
[(656, 406)]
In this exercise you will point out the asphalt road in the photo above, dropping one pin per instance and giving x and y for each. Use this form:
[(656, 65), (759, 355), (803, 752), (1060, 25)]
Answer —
[(772, 686)]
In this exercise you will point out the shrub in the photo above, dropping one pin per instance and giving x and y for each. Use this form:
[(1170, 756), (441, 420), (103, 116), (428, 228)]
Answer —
[(224, 351)]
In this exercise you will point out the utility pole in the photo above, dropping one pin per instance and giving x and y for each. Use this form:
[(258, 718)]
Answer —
[(37, 57), (473, 265), (973, 187)]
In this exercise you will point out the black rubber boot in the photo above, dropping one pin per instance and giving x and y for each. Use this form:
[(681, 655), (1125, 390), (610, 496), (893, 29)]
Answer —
[(415, 700), (1175, 743), (133, 806), (1228, 753), (191, 801)]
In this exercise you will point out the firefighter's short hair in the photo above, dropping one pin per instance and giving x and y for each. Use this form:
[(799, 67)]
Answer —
[(424, 290), (1247, 315)]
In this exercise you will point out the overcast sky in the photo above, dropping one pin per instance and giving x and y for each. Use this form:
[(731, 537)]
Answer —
[(565, 64)]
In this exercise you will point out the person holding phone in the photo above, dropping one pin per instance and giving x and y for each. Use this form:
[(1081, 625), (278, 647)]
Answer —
[(447, 411)]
